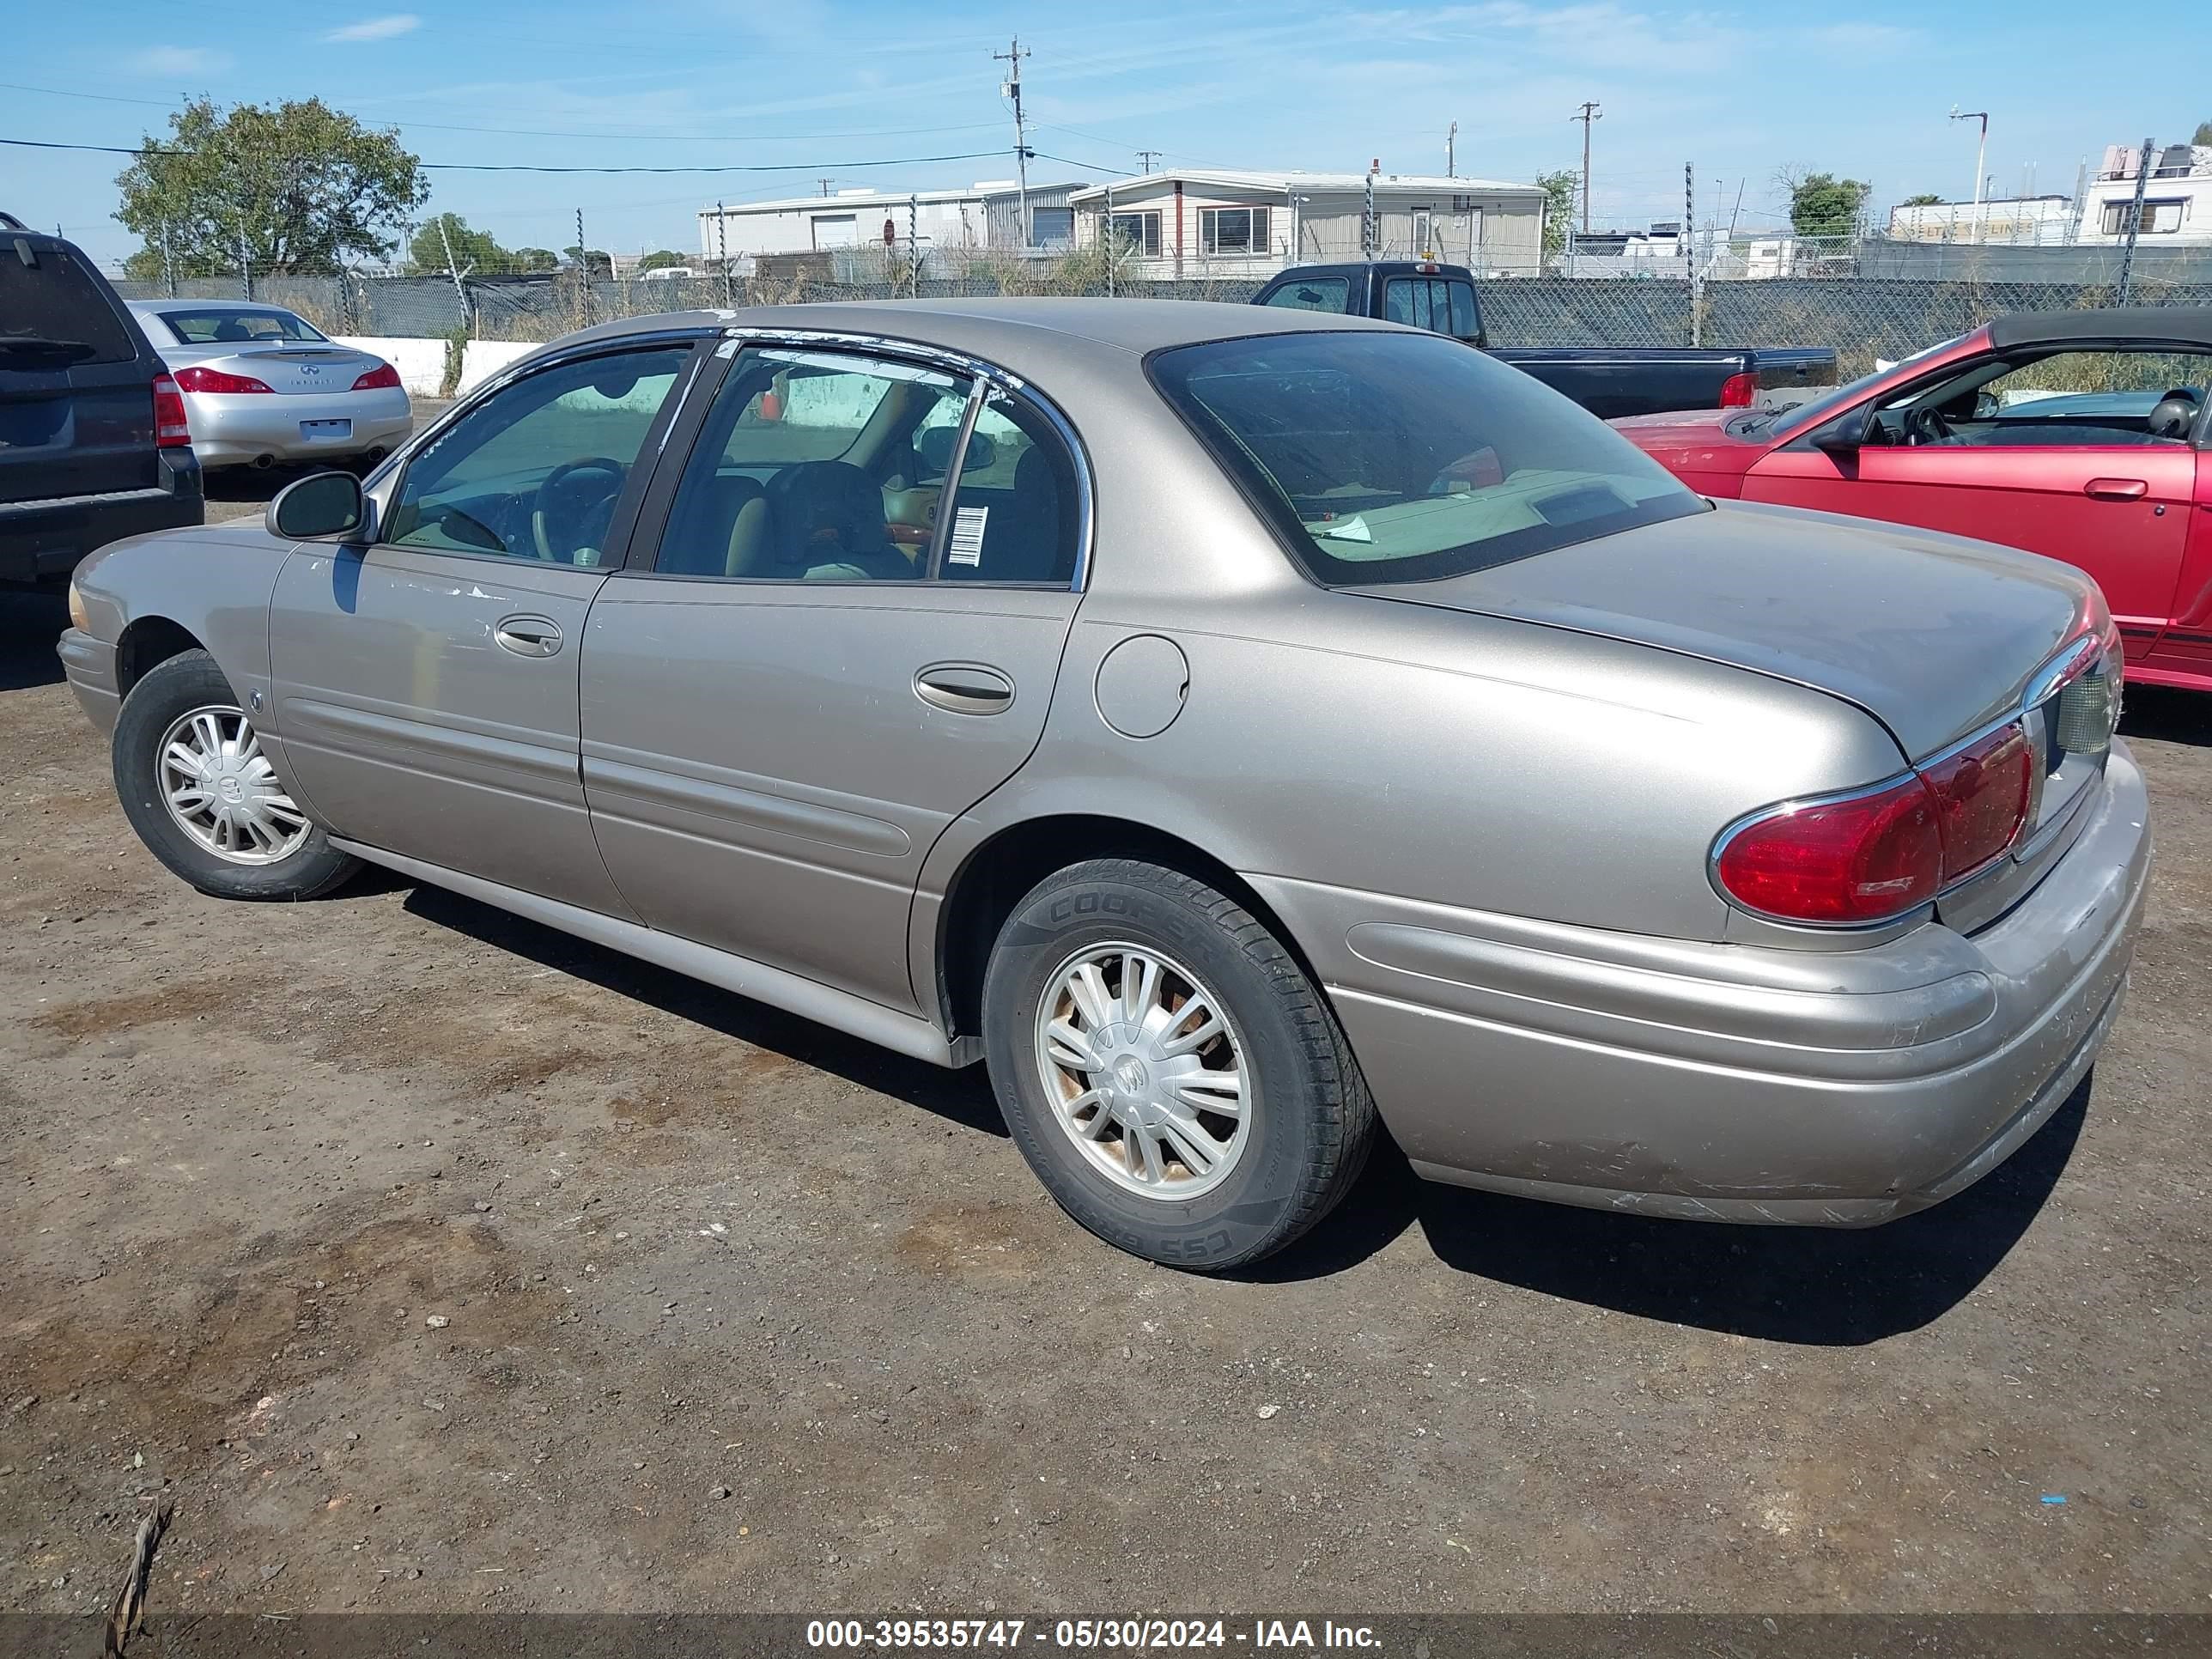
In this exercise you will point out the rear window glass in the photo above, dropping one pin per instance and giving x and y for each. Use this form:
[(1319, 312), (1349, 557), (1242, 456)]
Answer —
[(237, 327), (55, 311), (1386, 457)]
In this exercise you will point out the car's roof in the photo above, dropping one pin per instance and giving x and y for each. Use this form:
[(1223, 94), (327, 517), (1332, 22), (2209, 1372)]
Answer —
[(984, 325), (2124, 325)]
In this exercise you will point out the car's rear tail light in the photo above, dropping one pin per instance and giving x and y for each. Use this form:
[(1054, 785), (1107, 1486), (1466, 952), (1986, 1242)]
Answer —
[(1862, 859), (197, 378), (378, 378), (170, 431), (1739, 391), (1872, 857), (1983, 794)]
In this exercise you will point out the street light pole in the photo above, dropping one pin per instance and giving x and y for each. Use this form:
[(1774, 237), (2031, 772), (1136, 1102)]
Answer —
[(1981, 154)]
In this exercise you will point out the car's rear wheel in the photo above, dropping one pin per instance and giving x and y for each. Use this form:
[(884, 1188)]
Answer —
[(1167, 1068), (195, 784)]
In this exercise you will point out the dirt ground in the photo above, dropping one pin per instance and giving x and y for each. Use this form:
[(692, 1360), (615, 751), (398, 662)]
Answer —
[(429, 1261)]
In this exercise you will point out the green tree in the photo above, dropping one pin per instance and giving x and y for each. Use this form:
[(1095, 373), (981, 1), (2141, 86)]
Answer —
[(533, 259), (1558, 190), (1821, 204), (2203, 133), (599, 263), (1926, 199), (474, 251), (661, 258), (300, 186)]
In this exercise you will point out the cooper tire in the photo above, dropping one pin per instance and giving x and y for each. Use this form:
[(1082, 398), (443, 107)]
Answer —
[(1307, 1119)]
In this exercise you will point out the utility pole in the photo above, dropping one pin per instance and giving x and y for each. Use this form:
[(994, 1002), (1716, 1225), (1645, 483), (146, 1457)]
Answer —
[(1451, 147), (1587, 113), (1012, 87), (1980, 154), (2134, 222), (1148, 156), (825, 183)]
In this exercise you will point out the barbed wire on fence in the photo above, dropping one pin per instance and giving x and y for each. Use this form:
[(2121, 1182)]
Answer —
[(1853, 300)]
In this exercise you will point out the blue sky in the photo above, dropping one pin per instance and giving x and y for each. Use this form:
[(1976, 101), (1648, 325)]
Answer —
[(828, 85)]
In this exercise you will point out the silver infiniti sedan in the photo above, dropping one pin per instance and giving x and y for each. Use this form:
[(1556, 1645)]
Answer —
[(1237, 728), (263, 385)]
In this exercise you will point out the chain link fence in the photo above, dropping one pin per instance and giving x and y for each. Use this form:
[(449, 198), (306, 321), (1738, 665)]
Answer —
[(1864, 317)]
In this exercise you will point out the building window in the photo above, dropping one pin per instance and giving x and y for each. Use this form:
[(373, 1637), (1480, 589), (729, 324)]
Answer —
[(1052, 227), (2161, 215), (1138, 232), (1232, 230)]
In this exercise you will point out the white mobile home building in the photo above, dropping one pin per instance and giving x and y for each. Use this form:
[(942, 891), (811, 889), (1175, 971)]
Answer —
[(1235, 224)]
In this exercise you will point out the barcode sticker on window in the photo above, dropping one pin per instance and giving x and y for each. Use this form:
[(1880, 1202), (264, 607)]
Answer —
[(967, 544)]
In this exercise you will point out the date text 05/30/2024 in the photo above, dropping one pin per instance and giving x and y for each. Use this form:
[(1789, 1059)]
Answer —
[(1103, 1634)]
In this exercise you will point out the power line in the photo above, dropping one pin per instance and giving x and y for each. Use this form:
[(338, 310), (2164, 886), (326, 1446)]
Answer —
[(548, 132), (521, 167)]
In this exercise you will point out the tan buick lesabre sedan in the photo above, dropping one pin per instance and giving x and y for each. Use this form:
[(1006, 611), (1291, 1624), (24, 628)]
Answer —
[(1231, 726)]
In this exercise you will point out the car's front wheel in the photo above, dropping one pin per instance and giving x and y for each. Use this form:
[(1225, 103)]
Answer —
[(1167, 1068), (195, 784)]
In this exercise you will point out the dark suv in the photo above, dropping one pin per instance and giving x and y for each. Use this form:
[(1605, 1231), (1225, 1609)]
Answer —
[(93, 440)]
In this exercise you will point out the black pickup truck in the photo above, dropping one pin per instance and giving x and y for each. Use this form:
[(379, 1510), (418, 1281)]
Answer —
[(1609, 381)]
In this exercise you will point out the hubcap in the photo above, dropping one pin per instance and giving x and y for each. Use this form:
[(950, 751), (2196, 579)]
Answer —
[(221, 791), (1144, 1071)]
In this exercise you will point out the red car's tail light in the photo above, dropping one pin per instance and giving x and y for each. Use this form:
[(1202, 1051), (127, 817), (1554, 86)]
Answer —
[(197, 378), (377, 379), (1739, 391), (170, 431), (1863, 859), (1982, 795)]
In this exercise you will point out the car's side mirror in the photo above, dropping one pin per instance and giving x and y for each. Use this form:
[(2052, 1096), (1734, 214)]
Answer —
[(318, 507), (1847, 434)]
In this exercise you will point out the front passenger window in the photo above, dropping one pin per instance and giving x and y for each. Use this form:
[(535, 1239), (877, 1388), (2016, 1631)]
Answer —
[(535, 470)]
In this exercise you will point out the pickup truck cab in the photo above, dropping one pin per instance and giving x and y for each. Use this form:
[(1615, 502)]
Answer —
[(1609, 381)]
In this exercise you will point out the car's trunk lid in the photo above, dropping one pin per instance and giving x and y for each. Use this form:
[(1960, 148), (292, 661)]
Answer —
[(299, 367), (1933, 635)]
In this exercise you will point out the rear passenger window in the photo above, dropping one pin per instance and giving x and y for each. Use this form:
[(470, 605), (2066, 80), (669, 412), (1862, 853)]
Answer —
[(1313, 293), (1015, 515), (54, 311), (831, 466)]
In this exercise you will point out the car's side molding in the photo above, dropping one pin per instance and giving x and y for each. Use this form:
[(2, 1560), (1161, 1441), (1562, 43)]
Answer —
[(842, 1011)]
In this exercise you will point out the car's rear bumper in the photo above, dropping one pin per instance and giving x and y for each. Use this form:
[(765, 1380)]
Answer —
[(89, 665), (234, 429), (1728, 1082), (42, 541)]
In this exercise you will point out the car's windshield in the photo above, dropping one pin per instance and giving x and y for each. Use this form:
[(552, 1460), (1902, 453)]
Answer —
[(230, 325), (1805, 415), (1389, 457)]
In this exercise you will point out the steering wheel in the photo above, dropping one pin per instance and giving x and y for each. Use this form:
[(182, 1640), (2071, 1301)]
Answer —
[(573, 507), (1926, 425)]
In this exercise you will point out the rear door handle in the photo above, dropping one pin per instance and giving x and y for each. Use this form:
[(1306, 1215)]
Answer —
[(964, 688), (2116, 489), (528, 637)]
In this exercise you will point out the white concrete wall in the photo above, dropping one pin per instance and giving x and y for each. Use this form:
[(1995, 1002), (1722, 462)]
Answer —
[(482, 359), (421, 363)]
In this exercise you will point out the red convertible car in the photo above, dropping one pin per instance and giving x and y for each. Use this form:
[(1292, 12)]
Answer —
[(2080, 435)]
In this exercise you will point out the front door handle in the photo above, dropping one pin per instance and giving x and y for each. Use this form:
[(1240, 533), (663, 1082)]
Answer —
[(528, 637), (2116, 489), (964, 688)]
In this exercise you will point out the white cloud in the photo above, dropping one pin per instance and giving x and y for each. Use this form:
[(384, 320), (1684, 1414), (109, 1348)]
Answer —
[(377, 28), (180, 60)]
